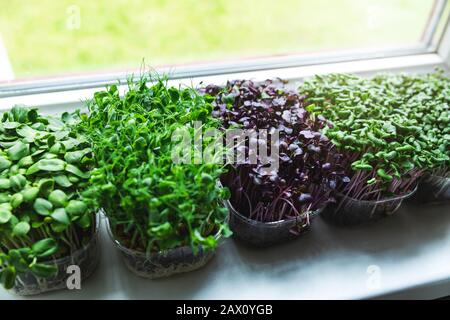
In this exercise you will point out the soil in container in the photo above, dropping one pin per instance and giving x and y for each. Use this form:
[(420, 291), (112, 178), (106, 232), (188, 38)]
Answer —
[(86, 258), (347, 211)]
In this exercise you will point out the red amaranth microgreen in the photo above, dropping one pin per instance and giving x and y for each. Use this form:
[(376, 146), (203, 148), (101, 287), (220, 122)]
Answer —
[(309, 166)]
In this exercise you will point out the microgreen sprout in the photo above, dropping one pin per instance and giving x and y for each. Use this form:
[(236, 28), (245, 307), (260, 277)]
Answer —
[(152, 203), (44, 167), (309, 166), (391, 128)]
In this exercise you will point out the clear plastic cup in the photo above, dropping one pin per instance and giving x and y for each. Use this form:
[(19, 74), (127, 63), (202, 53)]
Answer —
[(433, 190), (86, 259), (347, 211), (165, 263), (264, 234)]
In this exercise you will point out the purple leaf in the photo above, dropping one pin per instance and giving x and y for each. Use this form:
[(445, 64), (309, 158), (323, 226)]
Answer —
[(307, 134), (313, 148), (326, 166), (304, 198)]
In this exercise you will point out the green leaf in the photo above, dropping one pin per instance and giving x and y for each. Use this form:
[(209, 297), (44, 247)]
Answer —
[(85, 221), (70, 143), (174, 94), (5, 215), (384, 175), (58, 198), (49, 155), (4, 163), (5, 197), (208, 241), (18, 151), (30, 194), (11, 125), (56, 148), (38, 126), (61, 216), (72, 169), (42, 206), (20, 113), (407, 165), (140, 143), (76, 208), (27, 132), (51, 140), (51, 165), (25, 162), (310, 108), (161, 230), (76, 156), (206, 178), (37, 224), (59, 135), (17, 181), (389, 127), (32, 169), (21, 229), (226, 231), (5, 183), (73, 179), (55, 124), (58, 227), (45, 247), (39, 152), (16, 200), (8, 277), (225, 193), (46, 186), (17, 259), (13, 221), (63, 181), (43, 270)]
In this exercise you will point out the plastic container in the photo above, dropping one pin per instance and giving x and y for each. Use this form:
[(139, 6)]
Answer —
[(351, 212), (264, 234), (433, 190), (164, 263), (86, 259)]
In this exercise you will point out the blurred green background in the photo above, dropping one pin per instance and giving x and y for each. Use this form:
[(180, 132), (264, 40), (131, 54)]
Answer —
[(49, 37)]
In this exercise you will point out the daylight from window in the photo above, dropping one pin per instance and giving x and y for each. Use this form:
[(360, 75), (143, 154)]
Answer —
[(52, 38)]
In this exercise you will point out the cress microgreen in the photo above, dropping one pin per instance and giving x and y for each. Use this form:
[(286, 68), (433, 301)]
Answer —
[(391, 128)]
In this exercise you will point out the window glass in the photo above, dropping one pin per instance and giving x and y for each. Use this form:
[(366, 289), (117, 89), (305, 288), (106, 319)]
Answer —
[(48, 38)]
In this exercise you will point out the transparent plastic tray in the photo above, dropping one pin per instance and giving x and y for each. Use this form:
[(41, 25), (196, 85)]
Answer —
[(351, 212), (433, 190), (264, 234), (164, 263), (86, 259)]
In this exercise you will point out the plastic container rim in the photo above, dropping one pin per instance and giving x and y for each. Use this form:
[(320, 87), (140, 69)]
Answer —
[(405, 196)]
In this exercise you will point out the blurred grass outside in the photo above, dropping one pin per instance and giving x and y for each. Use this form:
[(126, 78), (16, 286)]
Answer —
[(48, 37)]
